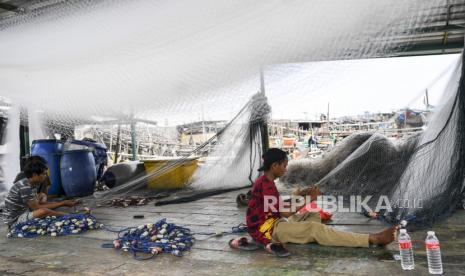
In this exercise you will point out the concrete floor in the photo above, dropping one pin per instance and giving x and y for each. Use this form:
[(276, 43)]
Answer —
[(82, 254)]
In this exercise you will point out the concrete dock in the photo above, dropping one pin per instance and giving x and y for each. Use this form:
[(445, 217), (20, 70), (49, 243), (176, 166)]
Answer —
[(82, 254)]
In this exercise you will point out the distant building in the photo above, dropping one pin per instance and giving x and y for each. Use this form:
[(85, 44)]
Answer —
[(199, 132)]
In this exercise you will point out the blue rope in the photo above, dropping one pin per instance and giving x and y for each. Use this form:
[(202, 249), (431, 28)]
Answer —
[(55, 226), (382, 218), (240, 229), (107, 228), (153, 239)]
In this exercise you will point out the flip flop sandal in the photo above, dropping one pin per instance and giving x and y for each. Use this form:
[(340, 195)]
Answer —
[(242, 200), (277, 249), (243, 244)]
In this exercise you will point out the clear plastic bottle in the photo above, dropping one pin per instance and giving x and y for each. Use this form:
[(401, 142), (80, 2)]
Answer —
[(406, 252), (433, 251)]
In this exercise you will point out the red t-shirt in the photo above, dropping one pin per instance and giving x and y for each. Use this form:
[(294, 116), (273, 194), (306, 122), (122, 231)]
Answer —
[(256, 213)]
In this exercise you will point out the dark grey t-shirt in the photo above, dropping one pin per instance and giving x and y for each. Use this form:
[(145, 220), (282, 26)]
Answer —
[(16, 202)]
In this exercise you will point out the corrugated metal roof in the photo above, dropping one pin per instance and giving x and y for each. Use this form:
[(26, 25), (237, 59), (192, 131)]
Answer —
[(442, 33)]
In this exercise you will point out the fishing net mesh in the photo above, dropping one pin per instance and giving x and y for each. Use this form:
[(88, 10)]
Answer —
[(421, 175), (69, 63), (235, 151)]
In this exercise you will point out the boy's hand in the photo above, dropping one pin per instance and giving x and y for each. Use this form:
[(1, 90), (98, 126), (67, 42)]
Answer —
[(70, 202), (313, 192)]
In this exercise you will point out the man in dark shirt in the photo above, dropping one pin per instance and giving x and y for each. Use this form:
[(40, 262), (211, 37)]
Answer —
[(22, 202), (42, 188)]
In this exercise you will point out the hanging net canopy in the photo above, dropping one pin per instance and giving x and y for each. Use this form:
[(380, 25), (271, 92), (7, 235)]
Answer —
[(69, 63), (79, 60)]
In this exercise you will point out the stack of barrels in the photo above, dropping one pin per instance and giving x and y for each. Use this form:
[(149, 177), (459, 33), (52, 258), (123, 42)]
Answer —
[(74, 165)]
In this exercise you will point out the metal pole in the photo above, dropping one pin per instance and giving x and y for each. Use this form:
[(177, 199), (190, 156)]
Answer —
[(111, 140), (263, 125), (427, 99), (118, 143), (405, 118), (327, 118), (327, 115), (133, 141)]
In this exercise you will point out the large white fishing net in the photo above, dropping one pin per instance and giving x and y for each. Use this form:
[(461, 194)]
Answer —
[(68, 63), (156, 59)]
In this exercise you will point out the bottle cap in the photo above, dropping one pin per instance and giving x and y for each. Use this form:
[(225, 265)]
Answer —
[(430, 233), (403, 231)]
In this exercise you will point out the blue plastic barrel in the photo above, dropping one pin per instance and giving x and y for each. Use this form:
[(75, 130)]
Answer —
[(50, 150), (78, 173), (99, 152)]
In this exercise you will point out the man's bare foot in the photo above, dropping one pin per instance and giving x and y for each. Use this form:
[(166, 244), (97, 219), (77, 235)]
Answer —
[(384, 237)]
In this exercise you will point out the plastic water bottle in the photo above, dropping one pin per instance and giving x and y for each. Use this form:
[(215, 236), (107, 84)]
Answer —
[(406, 253), (433, 251)]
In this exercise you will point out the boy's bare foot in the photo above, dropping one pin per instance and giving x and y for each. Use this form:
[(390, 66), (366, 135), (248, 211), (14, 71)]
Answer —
[(373, 215), (384, 237)]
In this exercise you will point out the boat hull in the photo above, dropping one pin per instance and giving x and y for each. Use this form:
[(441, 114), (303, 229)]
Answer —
[(176, 177)]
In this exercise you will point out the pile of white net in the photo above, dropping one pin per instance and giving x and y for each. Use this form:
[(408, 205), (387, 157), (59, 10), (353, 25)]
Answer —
[(422, 176)]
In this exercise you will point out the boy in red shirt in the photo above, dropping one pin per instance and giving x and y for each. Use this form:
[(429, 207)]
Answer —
[(270, 226)]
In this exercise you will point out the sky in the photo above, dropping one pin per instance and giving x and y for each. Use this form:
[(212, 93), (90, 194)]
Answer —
[(351, 87), (299, 91)]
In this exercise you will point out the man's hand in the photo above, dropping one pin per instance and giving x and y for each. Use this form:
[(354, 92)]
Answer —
[(35, 205), (69, 202)]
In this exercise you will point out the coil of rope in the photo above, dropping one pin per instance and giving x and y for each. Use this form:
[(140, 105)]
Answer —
[(54, 226), (153, 239), (150, 239)]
